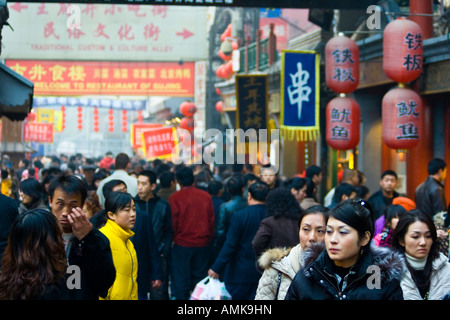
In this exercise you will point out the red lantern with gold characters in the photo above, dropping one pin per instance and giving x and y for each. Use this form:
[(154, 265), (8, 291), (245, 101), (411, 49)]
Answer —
[(188, 109), (401, 118), (343, 123), (402, 50), (342, 64)]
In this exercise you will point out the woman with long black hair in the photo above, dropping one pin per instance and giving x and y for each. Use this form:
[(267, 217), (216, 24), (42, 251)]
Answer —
[(31, 195), (34, 262), (427, 271)]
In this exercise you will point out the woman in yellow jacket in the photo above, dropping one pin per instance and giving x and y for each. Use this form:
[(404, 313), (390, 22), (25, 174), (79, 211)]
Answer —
[(121, 212)]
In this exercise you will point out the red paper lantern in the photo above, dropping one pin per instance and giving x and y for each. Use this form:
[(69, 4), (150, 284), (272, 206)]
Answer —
[(229, 69), (124, 121), (31, 117), (401, 118), (80, 118), (219, 106), (187, 123), (402, 50), (140, 117), (188, 109), (96, 120), (226, 33), (342, 64), (111, 120), (220, 72), (342, 123), (224, 57), (63, 118)]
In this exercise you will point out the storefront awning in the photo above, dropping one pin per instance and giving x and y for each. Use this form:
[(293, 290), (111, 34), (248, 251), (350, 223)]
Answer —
[(16, 94), (21, 147)]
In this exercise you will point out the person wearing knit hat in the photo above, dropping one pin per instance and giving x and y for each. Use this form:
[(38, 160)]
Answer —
[(405, 202)]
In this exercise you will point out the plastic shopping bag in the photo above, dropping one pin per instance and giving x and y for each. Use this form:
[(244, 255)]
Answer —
[(210, 289)]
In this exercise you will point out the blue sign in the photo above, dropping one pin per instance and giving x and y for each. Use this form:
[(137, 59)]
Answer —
[(300, 94)]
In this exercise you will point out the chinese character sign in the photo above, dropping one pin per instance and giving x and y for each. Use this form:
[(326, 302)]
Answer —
[(300, 95), (343, 123), (38, 132), (401, 118), (159, 142), (402, 50), (252, 101), (69, 78), (342, 64), (136, 131), (65, 31)]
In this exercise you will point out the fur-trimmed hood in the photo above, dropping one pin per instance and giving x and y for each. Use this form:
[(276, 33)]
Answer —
[(285, 260), (390, 262), (268, 257)]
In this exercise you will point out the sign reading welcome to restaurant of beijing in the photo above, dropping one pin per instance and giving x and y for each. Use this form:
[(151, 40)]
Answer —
[(69, 78)]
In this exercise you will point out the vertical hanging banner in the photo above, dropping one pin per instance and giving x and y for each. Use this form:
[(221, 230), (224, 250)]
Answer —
[(252, 101), (252, 115), (300, 92)]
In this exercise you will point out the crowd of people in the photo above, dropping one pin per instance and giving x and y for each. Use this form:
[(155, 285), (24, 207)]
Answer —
[(121, 228)]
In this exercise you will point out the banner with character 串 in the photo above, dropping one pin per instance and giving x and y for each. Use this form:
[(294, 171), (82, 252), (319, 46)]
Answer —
[(300, 92)]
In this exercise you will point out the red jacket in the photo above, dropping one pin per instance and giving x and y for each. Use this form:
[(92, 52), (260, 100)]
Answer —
[(192, 217)]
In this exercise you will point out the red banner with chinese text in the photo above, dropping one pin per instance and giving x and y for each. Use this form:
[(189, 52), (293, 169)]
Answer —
[(38, 132), (136, 132), (159, 143), (69, 78)]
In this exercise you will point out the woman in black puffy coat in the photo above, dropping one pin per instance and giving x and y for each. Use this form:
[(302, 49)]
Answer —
[(346, 266)]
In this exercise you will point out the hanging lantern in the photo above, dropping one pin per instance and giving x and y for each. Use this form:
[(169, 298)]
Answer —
[(219, 106), (342, 123), (80, 118), (96, 120), (188, 109), (31, 117), (140, 116), (218, 91), (402, 50), (220, 72), (63, 117), (401, 118), (224, 57), (226, 33), (111, 120), (342, 64), (187, 123), (229, 69), (124, 121)]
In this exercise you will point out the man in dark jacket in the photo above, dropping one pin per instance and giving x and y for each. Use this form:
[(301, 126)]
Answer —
[(160, 215), (381, 199), (429, 195), (237, 260), (8, 214), (235, 187), (87, 249)]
